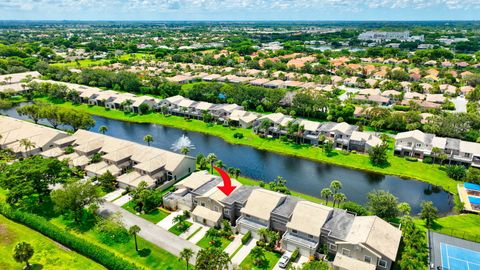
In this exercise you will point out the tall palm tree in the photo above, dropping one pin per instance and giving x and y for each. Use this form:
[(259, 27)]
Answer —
[(211, 158), (339, 198), (103, 129), (148, 139), (336, 185), (134, 230), (27, 144), (263, 233), (326, 193), (186, 254), (220, 164)]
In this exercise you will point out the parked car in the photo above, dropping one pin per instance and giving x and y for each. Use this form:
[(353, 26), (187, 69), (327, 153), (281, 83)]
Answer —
[(283, 262)]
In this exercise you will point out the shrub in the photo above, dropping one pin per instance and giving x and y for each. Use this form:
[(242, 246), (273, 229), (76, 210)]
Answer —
[(411, 159), (238, 135), (111, 231), (353, 151), (295, 254), (82, 246), (345, 152), (456, 172), (246, 237), (427, 160), (356, 208)]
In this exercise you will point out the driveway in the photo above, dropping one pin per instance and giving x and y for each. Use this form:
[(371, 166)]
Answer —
[(243, 252), (150, 232), (122, 200), (167, 222), (114, 194), (237, 241), (192, 229)]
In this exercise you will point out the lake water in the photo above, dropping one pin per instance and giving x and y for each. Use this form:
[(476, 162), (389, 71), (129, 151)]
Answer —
[(302, 175)]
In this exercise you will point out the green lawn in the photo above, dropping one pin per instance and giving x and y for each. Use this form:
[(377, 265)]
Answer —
[(465, 226), (177, 231), (205, 243), (154, 216), (398, 166), (48, 254), (150, 256), (271, 257), (84, 63)]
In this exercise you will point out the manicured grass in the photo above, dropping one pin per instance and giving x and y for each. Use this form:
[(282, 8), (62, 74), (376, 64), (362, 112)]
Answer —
[(149, 256), (154, 216), (47, 253), (205, 243), (271, 257), (429, 173), (177, 231), (84, 63), (466, 226)]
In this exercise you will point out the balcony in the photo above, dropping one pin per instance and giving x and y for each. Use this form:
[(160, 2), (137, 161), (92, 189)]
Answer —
[(299, 241), (249, 224)]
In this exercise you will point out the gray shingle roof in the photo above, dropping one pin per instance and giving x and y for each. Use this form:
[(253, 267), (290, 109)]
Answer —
[(339, 224), (286, 208), (239, 195)]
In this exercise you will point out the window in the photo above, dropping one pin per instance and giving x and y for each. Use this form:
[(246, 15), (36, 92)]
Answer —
[(202, 204), (467, 155), (310, 236), (382, 263), (367, 259), (346, 252), (215, 208), (294, 231), (419, 145), (333, 247), (227, 212)]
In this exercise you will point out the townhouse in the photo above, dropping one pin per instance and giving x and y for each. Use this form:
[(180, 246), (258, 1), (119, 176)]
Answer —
[(14, 135), (355, 242), (418, 144)]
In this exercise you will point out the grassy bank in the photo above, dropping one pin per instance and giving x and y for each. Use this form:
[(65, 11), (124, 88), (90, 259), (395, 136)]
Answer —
[(466, 226), (398, 166), (48, 254)]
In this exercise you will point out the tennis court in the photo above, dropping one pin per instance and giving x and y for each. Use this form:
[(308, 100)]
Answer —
[(457, 258), (451, 253)]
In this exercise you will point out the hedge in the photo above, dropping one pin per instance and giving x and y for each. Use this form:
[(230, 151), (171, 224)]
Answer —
[(84, 247), (246, 237), (295, 254)]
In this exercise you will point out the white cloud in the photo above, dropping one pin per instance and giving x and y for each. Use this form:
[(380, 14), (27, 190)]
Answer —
[(233, 5)]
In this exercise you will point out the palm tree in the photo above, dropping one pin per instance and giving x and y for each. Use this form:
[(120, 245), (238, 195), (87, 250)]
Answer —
[(220, 164), (103, 129), (258, 255), (148, 139), (339, 198), (436, 152), (234, 171), (23, 252), (134, 230), (27, 144), (335, 185), (186, 254), (265, 124), (185, 150), (326, 193), (263, 233), (211, 158), (180, 221)]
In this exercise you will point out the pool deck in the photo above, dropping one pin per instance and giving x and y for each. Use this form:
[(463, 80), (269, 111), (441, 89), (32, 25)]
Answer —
[(462, 193)]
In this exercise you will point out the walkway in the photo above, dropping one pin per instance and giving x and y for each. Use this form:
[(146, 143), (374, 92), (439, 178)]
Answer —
[(150, 232), (198, 235), (167, 222), (243, 252)]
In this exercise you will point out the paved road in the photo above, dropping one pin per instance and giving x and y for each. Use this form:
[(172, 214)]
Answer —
[(149, 231)]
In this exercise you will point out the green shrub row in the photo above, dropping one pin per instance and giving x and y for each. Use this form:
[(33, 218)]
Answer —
[(84, 247), (246, 237), (411, 159), (295, 254)]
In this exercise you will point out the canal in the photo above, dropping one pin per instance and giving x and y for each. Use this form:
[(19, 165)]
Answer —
[(302, 175)]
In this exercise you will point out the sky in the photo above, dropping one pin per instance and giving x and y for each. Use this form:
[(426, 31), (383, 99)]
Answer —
[(345, 10)]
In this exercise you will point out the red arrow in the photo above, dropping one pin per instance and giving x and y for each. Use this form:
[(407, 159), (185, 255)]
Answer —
[(227, 187)]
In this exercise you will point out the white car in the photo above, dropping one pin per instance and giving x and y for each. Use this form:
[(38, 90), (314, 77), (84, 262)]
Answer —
[(283, 262)]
